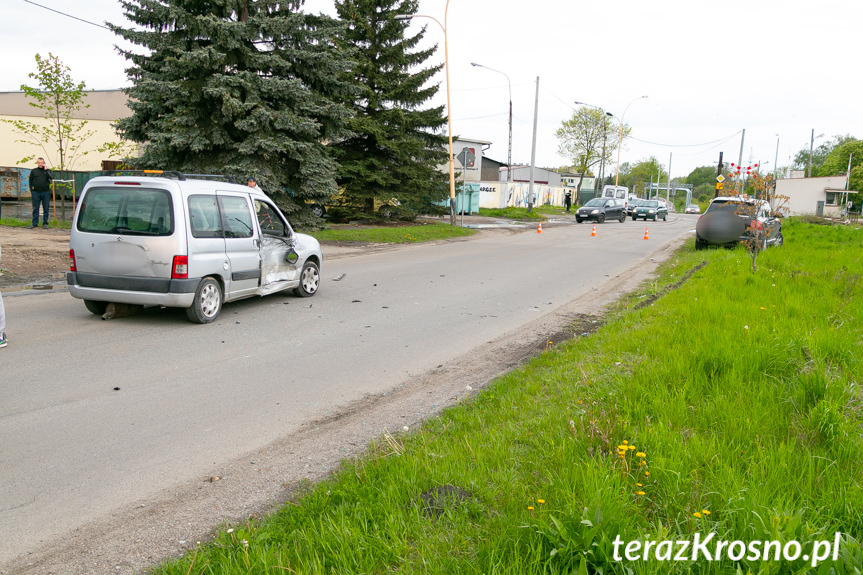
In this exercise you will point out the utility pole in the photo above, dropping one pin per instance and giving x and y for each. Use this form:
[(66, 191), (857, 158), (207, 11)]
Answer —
[(668, 189), (740, 159), (719, 168), (811, 145), (533, 149)]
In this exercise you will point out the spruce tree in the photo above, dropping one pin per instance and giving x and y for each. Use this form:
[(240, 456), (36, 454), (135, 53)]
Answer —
[(396, 148), (245, 88)]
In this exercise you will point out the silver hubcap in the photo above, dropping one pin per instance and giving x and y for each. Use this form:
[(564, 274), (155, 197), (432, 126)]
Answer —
[(310, 279), (210, 300)]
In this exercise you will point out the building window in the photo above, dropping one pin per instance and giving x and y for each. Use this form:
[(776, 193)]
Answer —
[(832, 198)]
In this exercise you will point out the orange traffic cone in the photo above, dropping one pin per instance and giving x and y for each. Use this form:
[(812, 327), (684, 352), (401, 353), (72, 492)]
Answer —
[(539, 228), (645, 234), (593, 231)]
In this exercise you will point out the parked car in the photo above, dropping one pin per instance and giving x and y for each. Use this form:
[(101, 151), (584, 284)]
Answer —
[(631, 205), (650, 210), (175, 241), (601, 209), (693, 209), (728, 221)]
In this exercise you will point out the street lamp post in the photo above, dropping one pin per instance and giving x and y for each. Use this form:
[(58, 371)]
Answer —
[(620, 139), (448, 104), (509, 149)]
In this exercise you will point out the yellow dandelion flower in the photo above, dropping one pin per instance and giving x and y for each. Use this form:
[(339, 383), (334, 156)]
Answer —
[(529, 508), (540, 501), (764, 308), (641, 454), (697, 514), (579, 401), (647, 473), (639, 492), (625, 442), (631, 447), (639, 485), (705, 511)]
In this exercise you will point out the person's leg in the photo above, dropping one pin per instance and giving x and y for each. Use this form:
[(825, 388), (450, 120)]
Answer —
[(35, 199), (2, 323), (46, 207)]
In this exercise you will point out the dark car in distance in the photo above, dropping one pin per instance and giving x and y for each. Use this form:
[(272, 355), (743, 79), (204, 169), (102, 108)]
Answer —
[(601, 209), (650, 209), (728, 221)]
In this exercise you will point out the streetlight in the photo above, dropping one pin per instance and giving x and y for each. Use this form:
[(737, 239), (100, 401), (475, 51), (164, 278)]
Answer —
[(776, 160), (448, 106), (620, 140), (509, 150), (604, 138)]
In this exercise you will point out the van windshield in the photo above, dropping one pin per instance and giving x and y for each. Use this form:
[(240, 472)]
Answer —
[(126, 211)]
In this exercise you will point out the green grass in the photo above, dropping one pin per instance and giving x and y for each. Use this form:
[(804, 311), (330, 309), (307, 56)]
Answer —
[(17, 223), (739, 392), (419, 232), (538, 213)]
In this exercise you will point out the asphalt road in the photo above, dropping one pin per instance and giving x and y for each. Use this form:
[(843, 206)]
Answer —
[(95, 414)]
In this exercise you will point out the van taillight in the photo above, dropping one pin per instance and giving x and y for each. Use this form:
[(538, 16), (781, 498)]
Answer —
[(180, 268), (72, 266)]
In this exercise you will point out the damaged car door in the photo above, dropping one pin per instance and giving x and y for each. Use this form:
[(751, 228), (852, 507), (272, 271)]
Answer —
[(279, 259)]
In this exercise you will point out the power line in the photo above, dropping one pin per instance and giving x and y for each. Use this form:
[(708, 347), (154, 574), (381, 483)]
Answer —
[(67, 15), (569, 104), (720, 141), (487, 87), (478, 117)]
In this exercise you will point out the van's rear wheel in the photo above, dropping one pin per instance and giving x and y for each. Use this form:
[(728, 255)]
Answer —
[(96, 307), (208, 302)]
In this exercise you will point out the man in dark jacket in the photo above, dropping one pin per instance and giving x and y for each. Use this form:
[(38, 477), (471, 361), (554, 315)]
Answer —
[(40, 192)]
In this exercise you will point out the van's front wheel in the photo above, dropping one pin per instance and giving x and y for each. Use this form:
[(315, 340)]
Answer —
[(310, 279), (208, 302)]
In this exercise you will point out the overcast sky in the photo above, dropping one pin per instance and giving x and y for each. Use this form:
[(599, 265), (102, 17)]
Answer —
[(709, 69)]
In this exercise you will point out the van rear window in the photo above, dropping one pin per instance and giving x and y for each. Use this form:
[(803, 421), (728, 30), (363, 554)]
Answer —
[(127, 211)]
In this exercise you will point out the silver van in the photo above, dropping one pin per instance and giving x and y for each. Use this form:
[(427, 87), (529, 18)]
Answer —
[(167, 239)]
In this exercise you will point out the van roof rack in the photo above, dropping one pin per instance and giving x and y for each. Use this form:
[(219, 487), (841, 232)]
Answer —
[(218, 177), (164, 173)]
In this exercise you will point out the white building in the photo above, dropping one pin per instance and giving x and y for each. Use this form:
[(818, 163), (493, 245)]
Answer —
[(824, 196), (105, 108)]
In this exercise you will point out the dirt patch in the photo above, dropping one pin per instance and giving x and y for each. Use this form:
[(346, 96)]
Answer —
[(33, 257)]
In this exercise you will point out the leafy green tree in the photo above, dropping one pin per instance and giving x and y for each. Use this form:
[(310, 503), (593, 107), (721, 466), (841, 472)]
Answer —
[(637, 177), (58, 98), (396, 146), (819, 155), (701, 175), (238, 87), (836, 163), (588, 137)]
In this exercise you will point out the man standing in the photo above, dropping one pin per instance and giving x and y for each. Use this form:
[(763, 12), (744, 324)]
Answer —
[(40, 192), (567, 200)]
